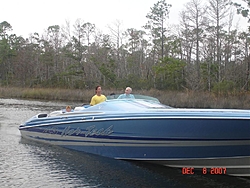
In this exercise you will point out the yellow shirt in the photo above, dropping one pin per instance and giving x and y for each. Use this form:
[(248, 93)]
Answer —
[(97, 99)]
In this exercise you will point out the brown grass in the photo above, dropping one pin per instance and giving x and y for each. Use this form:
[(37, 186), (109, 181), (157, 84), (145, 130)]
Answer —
[(171, 98)]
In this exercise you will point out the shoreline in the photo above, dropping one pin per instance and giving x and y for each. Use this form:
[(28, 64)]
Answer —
[(171, 98)]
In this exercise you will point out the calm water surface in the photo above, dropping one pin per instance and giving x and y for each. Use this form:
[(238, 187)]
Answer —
[(28, 164)]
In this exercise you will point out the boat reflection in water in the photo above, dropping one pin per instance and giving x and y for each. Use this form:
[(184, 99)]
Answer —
[(215, 141)]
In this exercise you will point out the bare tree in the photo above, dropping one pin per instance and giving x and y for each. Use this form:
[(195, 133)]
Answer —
[(117, 39), (218, 10), (193, 21)]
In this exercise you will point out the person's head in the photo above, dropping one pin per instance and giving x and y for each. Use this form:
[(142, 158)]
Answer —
[(128, 90), (98, 90), (68, 108)]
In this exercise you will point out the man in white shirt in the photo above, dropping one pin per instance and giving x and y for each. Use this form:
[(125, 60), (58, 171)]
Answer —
[(127, 94)]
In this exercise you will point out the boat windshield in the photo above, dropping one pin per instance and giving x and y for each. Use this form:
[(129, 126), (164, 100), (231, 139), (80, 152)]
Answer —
[(115, 96), (128, 105)]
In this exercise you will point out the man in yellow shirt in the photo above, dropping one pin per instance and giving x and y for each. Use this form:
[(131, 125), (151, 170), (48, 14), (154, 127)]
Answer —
[(98, 97)]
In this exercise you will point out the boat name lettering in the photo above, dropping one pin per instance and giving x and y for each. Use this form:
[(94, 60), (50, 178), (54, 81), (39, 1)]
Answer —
[(91, 131), (51, 130)]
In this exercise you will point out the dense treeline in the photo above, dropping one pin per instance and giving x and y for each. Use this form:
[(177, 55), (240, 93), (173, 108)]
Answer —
[(203, 52)]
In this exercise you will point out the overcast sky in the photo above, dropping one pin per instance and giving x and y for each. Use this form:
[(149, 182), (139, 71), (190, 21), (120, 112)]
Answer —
[(29, 16)]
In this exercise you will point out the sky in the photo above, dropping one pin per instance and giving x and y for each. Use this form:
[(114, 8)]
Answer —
[(30, 16)]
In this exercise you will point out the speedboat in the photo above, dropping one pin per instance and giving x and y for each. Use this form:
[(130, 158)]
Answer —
[(211, 141)]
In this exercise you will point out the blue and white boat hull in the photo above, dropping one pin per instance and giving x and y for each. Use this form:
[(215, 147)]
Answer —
[(180, 138)]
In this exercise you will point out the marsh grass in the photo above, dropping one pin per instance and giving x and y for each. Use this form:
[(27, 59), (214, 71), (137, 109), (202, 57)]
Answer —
[(46, 94), (171, 98)]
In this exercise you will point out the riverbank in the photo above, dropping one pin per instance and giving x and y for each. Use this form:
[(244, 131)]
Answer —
[(174, 99)]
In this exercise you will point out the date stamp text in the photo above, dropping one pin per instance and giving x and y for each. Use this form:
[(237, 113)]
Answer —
[(205, 170)]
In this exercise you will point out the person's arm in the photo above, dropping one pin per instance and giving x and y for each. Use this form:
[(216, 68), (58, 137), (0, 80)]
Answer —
[(105, 98), (120, 96), (92, 102)]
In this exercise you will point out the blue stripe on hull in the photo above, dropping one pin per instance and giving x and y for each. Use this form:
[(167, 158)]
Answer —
[(166, 152), (219, 129)]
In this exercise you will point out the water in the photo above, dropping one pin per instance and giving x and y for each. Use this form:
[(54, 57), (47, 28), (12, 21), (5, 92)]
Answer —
[(29, 164)]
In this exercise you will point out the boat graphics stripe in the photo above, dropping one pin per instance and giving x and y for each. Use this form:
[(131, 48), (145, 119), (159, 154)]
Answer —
[(119, 141), (97, 119)]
